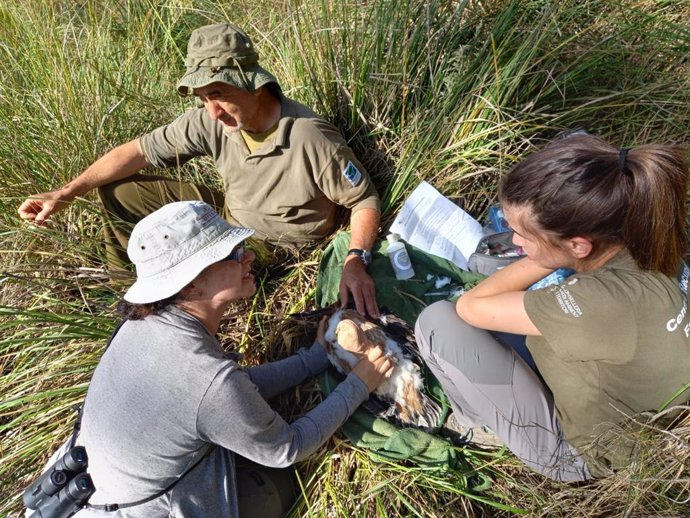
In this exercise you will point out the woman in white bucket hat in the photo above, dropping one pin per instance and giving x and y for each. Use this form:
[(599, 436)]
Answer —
[(174, 426)]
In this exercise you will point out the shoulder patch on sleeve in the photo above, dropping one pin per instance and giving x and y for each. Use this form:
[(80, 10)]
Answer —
[(352, 174)]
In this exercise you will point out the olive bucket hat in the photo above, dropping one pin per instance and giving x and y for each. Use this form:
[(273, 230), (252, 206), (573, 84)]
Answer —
[(222, 53)]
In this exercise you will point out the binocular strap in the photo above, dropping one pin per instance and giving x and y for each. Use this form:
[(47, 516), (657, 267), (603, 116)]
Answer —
[(115, 507)]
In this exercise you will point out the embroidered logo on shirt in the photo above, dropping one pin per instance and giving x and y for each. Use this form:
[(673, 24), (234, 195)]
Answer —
[(567, 302), (352, 174)]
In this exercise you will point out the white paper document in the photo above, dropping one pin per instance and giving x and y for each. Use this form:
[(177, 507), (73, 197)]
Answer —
[(436, 225)]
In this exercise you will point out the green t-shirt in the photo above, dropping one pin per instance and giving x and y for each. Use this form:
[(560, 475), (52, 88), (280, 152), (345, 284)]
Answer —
[(614, 342)]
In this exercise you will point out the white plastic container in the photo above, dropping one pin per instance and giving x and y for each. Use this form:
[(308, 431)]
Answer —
[(397, 253)]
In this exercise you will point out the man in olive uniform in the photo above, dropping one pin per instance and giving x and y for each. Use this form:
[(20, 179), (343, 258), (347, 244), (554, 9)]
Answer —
[(285, 170)]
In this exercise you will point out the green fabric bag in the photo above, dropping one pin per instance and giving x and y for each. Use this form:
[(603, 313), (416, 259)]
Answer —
[(405, 299)]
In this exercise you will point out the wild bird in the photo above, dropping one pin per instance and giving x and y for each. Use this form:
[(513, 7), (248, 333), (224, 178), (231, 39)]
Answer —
[(400, 398)]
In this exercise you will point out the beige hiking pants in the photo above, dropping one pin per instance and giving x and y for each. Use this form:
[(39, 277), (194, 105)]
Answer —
[(489, 384)]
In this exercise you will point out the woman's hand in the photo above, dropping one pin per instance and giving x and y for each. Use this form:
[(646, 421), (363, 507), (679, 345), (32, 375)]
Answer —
[(321, 330), (375, 368), (351, 338)]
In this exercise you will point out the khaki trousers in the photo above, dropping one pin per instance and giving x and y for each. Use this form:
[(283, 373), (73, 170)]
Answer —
[(127, 201)]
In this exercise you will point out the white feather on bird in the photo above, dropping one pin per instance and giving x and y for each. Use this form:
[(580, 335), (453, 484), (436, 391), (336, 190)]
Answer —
[(402, 394)]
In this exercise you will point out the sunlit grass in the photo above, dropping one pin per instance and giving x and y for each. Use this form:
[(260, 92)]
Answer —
[(450, 92)]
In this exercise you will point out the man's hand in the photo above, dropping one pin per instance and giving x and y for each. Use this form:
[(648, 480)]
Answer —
[(356, 280), (117, 164), (39, 207)]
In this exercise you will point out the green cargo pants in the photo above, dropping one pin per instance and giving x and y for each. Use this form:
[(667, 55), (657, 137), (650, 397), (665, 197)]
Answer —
[(127, 201)]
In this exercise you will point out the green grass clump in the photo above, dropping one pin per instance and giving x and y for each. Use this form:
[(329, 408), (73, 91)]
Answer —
[(451, 92)]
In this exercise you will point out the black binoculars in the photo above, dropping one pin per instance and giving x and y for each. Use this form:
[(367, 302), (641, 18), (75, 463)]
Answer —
[(68, 500), (63, 488)]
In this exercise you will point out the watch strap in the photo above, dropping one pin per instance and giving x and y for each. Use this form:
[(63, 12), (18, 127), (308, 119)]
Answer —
[(364, 255)]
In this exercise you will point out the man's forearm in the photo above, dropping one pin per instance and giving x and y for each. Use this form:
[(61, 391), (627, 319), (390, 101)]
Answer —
[(118, 163), (364, 227)]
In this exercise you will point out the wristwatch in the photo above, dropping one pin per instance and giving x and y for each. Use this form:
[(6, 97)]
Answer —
[(364, 255)]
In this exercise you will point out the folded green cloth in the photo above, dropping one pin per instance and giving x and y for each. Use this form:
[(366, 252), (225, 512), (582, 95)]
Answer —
[(391, 441), (405, 299)]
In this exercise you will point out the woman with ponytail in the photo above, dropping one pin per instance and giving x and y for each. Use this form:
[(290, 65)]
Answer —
[(610, 341)]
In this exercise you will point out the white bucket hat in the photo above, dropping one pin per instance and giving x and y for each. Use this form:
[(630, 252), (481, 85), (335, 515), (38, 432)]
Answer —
[(172, 245)]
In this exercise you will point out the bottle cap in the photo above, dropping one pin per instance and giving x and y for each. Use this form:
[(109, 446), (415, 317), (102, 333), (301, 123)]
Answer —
[(393, 237)]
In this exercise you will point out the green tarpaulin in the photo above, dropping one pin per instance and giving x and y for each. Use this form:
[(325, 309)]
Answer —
[(435, 279), (404, 298)]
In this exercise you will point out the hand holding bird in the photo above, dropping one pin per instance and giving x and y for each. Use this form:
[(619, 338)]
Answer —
[(374, 365), (349, 338), (374, 368)]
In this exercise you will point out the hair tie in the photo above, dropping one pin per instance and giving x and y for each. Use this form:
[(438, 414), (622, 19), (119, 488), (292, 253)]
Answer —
[(622, 157)]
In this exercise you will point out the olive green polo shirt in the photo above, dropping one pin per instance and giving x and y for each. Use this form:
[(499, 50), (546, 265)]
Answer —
[(614, 342), (287, 190)]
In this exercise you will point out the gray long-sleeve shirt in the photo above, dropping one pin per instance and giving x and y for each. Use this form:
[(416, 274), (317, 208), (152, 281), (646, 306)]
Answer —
[(164, 391)]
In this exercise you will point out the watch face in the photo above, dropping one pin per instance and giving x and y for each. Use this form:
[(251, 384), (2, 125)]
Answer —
[(364, 255)]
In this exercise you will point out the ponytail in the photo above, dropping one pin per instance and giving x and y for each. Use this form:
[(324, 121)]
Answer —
[(582, 186), (654, 229)]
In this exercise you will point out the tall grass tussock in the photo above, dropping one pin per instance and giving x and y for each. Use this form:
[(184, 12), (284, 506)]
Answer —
[(451, 92)]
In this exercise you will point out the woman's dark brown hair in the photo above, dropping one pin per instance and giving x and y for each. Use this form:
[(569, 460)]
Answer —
[(582, 186), (132, 311)]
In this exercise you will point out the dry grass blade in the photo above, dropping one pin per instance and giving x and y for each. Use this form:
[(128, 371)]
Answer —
[(452, 92)]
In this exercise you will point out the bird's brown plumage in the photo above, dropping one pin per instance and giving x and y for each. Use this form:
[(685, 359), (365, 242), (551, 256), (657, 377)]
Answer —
[(348, 338)]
